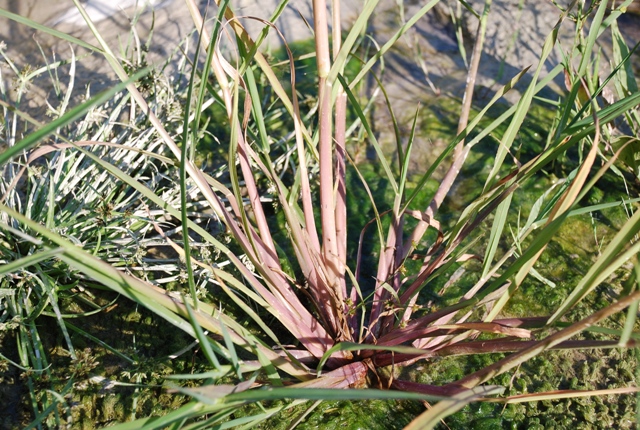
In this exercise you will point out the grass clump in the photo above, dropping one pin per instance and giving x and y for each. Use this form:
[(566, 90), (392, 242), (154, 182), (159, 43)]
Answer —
[(283, 302)]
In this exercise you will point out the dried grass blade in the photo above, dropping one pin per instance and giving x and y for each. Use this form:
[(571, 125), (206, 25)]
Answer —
[(562, 394), (517, 358)]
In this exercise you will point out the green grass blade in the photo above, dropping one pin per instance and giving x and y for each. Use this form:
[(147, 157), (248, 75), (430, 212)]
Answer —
[(472, 125), (338, 394), (190, 410), (45, 29), (365, 123), (233, 356), (67, 118), (524, 103), (183, 176), (96, 269), (48, 286), (29, 260), (404, 168), (609, 261), (632, 312), (595, 28), (432, 417), (106, 346), (203, 339), (496, 233), (605, 115), (383, 50), (537, 348), (356, 30), (154, 298)]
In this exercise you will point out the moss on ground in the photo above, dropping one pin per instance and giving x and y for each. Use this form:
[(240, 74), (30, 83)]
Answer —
[(91, 402)]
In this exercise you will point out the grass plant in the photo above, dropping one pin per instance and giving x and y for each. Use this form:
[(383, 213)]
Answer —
[(275, 295)]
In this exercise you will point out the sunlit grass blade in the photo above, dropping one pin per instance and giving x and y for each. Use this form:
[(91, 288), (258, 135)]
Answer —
[(190, 410), (563, 205), (406, 158), (59, 34), (193, 226), (524, 102), (562, 394), (432, 417), (495, 236), (365, 123), (605, 115), (594, 29), (619, 74), (472, 126), (619, 250), (148, 295), (73, 114), (273, 375), (183, 173), (514, 360), (333, 394), (340, 62), (394, 38), (259, 57)]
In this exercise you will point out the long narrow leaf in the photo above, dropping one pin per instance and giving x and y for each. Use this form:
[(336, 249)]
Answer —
[(67, 118)]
